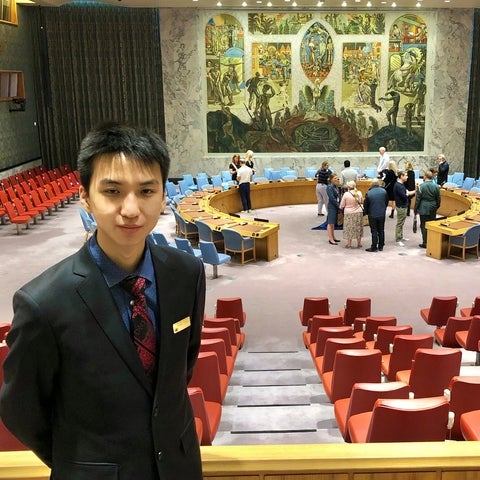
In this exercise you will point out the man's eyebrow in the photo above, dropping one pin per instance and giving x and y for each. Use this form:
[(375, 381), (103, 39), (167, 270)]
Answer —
[(110, 181)]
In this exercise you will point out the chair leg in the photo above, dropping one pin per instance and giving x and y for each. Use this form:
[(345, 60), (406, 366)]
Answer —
[(215, 271), (477, 359)]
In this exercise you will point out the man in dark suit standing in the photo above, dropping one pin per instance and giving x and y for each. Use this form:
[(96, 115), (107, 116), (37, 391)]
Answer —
[(95, 382), (443, 169), (375, 206), (427, 203)]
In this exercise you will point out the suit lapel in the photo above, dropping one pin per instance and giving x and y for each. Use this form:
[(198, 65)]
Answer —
[(96, 295)]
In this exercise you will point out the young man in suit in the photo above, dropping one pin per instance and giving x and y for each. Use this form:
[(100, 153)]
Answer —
[(96, 378)]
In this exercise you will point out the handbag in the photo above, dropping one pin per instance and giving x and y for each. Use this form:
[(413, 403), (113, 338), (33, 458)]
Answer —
[(340, 218)]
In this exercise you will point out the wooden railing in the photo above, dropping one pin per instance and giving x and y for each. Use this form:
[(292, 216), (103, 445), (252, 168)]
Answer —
[(387, 461)]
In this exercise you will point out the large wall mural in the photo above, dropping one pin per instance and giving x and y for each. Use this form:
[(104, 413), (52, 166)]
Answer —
[(318, 92)]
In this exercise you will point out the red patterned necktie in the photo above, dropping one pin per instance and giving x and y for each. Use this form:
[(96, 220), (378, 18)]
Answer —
[(142, 326)]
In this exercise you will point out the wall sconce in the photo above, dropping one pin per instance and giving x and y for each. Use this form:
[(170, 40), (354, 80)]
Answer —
[(19, 104)]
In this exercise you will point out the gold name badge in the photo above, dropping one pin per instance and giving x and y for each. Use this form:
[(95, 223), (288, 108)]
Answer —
[(181, 325)]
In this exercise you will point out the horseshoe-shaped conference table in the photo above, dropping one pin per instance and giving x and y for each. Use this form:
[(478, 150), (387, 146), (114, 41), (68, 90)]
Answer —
[(459, 209)]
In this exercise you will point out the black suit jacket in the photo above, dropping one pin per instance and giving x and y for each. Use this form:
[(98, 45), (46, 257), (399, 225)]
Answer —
[(75, 391)]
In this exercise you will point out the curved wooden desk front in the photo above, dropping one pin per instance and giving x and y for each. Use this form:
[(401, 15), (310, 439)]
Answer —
[(214, 208), (462, 210), (342, 461)]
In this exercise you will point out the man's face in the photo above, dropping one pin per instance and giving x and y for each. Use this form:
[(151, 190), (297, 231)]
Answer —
[(126, 198), (403, 177)]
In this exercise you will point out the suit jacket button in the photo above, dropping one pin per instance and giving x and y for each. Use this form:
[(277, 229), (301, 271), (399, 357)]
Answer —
[(159, 456), (155, 412)]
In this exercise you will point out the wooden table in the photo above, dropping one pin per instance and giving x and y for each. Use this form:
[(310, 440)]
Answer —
[(462, 211)]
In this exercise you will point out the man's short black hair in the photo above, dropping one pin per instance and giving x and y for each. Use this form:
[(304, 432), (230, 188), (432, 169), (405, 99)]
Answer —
[(113, 138), (346, 163)]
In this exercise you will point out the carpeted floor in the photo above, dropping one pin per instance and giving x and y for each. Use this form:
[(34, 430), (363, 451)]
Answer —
[(275, 395)]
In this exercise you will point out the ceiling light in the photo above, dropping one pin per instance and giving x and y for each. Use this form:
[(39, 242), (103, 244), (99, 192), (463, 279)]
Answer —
[(394, 4), (269, 4), (418, 4), (369, 4), (344, 4), (244, 4), (219, 4), (294, 3), (320, 4)]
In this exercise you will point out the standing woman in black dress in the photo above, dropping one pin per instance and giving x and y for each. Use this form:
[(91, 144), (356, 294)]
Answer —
[(410, 184), (234, 166), (389, 181)]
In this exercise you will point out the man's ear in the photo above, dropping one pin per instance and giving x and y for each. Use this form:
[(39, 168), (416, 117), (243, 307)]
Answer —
[(84, 199)]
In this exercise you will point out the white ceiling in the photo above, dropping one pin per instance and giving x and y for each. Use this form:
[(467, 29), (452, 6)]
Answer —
[(285, 5)]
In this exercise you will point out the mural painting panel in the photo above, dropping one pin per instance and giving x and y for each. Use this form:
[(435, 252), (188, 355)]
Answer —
[(374, 104), (277, 24), (357, 23), (404, 99), (224, 70)]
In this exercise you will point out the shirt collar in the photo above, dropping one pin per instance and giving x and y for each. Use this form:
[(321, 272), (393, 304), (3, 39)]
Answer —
[(112, 273)]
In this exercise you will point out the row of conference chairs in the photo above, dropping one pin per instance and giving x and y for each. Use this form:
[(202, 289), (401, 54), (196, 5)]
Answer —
[(352, 352), (222, 338), (28, 195)]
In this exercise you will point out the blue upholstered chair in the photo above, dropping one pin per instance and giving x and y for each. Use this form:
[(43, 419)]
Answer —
[(206, 234), (184, 228), (160, 239), (188, 178), (89, 223), (210, 256), (216, 180), (310, 172), (458, 178), (468, 183), (236, 243), (185, 245), (468, 241)]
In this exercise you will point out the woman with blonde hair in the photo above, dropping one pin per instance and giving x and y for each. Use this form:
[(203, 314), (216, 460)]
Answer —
[(351, 203)]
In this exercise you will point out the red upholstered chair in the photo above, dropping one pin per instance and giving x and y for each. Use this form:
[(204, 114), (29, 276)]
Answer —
[(403, 351), (402, 420), (431, 372), (313, 306), (326, 362), (8, 442), (473, 310), (209, 413), (317, 321), (217, 346), (231, 307), (385, 335), (363, 398), (224, 334), (446, 336), (350, 367), (464, 396), (237, 337), (470, 425), (469, 340), (206, 376), (370, 326), (4, 329), (355, 307), (439, 311), (323, 334)]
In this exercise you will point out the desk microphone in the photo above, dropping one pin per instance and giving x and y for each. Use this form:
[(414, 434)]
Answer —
[(260, 219)]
